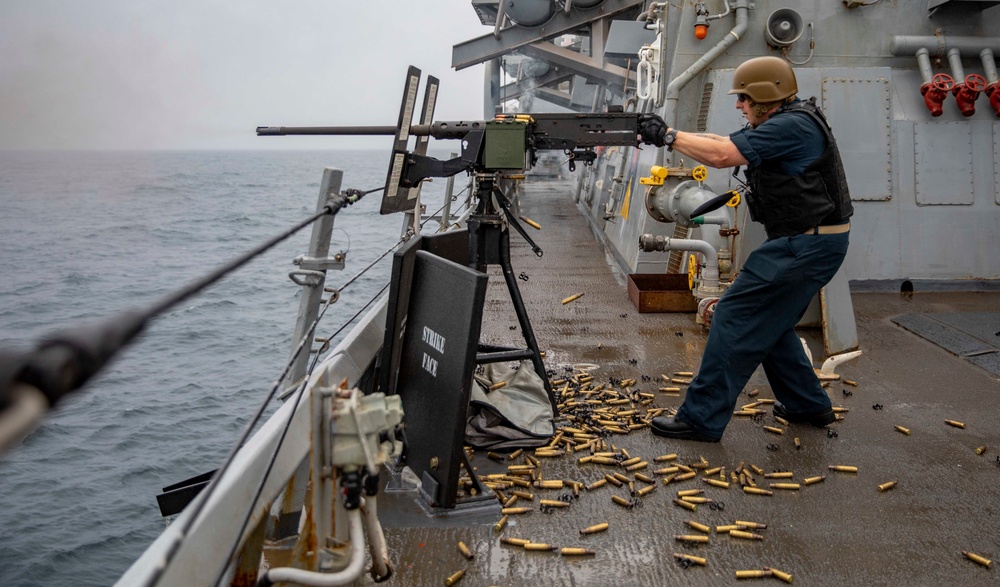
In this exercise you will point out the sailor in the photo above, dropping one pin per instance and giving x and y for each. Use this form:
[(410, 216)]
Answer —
[(798, 191)]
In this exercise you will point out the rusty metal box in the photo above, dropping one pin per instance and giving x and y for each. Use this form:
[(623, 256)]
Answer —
[(661, 292)]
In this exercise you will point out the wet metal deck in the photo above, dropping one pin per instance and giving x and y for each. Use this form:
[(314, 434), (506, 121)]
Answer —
[(842, 531)]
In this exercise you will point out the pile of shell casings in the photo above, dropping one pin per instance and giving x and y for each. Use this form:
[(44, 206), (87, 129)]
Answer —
[(592, 414)]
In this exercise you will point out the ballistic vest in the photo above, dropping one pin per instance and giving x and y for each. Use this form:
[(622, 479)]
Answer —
[(790, 204)]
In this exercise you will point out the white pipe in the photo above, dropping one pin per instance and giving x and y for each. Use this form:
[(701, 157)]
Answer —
[(904, 45), (376, 538), (989, 66), (323, 485), (710, 276), (719, 216), (672, 96), (353, 570), (955, 60), (723, 15), (924, 64)]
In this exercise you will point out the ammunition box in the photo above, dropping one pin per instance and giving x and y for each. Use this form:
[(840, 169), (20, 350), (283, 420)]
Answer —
[(506, 145)]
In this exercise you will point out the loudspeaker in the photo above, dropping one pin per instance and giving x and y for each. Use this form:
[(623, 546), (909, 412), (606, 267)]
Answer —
[(784, 27)]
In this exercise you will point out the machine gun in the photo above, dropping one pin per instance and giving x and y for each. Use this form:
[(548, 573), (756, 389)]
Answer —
[(509, 142), (492, 151)]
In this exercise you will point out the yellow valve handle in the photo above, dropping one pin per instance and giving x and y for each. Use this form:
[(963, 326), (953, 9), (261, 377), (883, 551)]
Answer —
[(656, 176), (735, 200), (700, 173), (692, 270)]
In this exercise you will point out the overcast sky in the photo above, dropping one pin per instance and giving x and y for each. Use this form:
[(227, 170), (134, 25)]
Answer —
[(202, 74)]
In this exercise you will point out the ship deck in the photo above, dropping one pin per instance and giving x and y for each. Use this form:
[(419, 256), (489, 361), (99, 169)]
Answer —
[(843, 530)]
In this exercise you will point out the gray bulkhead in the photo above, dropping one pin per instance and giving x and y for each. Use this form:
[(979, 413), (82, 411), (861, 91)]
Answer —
[(925, 189)]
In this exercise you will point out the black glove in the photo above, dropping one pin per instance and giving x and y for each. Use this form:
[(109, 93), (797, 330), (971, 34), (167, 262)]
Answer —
[(652, 129)]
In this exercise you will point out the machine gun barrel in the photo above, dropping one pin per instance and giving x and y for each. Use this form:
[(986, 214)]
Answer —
[(280, 131), (438, 130), (548, 131)]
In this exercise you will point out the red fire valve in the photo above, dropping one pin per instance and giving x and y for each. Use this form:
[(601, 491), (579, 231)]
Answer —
[(935, 92), (967, 93), (993, 92)]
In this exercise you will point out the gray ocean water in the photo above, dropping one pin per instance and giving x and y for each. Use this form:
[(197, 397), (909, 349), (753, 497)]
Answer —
[(85, 235)]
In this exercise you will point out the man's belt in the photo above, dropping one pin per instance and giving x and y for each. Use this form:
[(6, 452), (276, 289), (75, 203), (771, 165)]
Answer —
[(829, 229)]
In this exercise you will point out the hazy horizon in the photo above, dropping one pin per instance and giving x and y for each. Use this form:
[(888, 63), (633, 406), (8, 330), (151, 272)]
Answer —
[(202, 75)]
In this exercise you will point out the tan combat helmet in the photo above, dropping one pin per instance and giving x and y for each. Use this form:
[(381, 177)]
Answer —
[(765, 79)]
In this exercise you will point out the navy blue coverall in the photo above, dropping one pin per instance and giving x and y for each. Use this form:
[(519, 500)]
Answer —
[(754, 320)]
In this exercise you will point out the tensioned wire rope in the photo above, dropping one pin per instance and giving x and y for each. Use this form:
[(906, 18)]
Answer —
[(315, 361), (337, 203), (346, 198)]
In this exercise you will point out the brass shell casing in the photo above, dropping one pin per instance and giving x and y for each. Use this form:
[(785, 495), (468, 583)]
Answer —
[(698, 527), (621, 501), (514, 511), (571, 298), (597, 484), (539, 546), (955, 423), (788, 486), (755, 574), (691, 538), (696, 499), (717, 483), (577, 552), (663, 458), (690, 492), (786, 577), (745, 535), (780, 475), (886, 486), (905, 431), (555, 503), (843, 468), (595, 528), (811, 480), (982, 560), (754, 525), (514, 541), (531, 222), (645, 490), (686, 505), (553, 484), (698, 560), (757, 491), (454, 578), (465, 551), (980, 450)]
